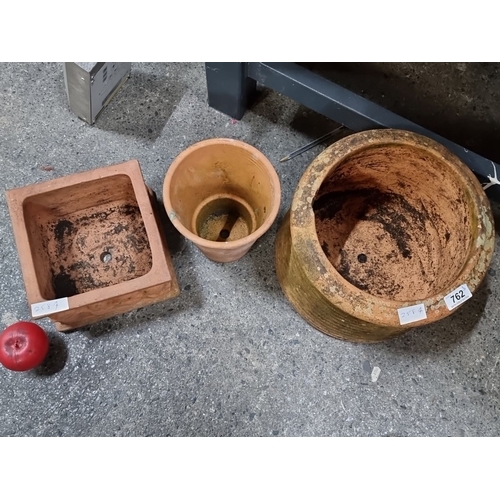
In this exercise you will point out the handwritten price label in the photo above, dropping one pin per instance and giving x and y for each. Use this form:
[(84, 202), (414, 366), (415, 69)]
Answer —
[(457, 297), (411, 314), (49, 307)]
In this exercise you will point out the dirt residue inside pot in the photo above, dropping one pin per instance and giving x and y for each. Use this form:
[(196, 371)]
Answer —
[(392, 224), (224, 219), (97, 247), (224, 227)]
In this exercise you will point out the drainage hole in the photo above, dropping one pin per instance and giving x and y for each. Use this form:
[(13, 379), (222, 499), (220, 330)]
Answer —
[(362, 258), (224, 234), (105, 257)]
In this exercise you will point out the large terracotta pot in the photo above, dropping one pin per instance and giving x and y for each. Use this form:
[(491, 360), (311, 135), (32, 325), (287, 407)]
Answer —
[(382, 221), (222, 194)]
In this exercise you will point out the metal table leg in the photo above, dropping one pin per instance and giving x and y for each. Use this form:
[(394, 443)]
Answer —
[(229, 88)]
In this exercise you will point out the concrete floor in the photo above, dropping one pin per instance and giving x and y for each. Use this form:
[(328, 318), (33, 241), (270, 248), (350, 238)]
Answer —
[(229, 357)]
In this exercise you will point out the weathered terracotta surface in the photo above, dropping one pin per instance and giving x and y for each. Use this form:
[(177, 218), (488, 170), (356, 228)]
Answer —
[(222, 194), (92, 237), (381, 220)]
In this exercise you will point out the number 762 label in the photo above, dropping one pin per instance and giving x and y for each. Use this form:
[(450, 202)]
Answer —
[(457, 296)]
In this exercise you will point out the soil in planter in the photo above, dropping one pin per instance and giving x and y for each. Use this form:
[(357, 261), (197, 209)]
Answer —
[(392, 225), (97, 247)]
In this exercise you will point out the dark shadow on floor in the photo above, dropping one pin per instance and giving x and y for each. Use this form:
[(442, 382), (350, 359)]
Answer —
[(175, 240), (142, 107), (314, 125), (263, 268), (460, 101), (495, 209), (56, 358), (272, 106)]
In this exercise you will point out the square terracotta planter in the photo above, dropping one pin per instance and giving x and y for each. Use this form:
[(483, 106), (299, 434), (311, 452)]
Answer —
[(91, 246)]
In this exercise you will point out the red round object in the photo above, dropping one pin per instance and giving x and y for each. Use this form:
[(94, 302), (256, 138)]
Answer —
[(23, 346)]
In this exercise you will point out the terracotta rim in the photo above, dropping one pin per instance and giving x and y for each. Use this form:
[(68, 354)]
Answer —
[(337, 289), (226, 245)]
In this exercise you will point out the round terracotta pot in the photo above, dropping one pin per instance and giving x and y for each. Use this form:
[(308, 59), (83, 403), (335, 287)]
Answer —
[(380, 221), (222, 194)]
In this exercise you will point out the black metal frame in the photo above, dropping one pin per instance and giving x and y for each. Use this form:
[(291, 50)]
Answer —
[(231, 85)]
